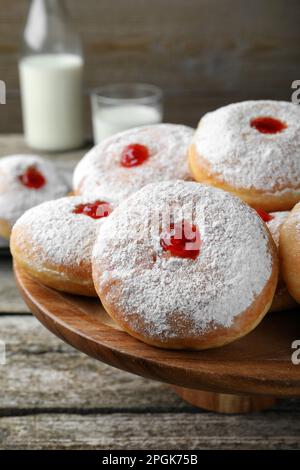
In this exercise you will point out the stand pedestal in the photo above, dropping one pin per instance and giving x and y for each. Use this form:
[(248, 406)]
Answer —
[(224, 403)]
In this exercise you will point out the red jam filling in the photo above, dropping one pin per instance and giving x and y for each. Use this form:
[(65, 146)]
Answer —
[(264, 215), (96, 210), (134, 155), (182, 240), (268, 125), (32, 178)]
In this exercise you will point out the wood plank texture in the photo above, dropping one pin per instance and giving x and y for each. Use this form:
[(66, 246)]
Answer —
[(43, 373), (151, 431), (10, 300), (55, 397), (203, 53)]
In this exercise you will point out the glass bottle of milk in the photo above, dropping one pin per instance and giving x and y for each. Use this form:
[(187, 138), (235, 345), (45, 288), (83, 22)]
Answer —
[(51, 69)]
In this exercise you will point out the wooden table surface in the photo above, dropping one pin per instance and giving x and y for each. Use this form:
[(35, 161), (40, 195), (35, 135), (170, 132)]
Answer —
[(54, 397)]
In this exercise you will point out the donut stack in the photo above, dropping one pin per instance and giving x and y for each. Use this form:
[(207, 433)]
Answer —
[(175, 263)]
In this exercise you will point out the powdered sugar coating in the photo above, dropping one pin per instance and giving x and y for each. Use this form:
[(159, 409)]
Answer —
[(99, 173), (59, 236), (242, 156), (142, 281), (15, 198), (275, 224)]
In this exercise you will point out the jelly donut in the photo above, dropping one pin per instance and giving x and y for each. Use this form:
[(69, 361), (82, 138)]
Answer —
[(26, 181), (252, 150), (185, 266), (289, 252), (125, 162), (53, 242), (282, 299)]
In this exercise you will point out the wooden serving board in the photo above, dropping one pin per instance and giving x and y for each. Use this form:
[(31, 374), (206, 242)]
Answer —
[(257, 366)]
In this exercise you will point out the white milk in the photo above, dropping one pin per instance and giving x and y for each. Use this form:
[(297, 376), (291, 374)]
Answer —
[(109, 121), (51, 91)]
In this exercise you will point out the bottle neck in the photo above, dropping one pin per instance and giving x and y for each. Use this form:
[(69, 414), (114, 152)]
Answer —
[(48, 29)]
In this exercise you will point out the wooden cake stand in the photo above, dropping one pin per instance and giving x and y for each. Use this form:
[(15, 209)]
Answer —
[(244, 376)]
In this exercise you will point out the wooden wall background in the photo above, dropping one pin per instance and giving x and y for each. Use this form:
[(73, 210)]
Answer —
[(203, 53)]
